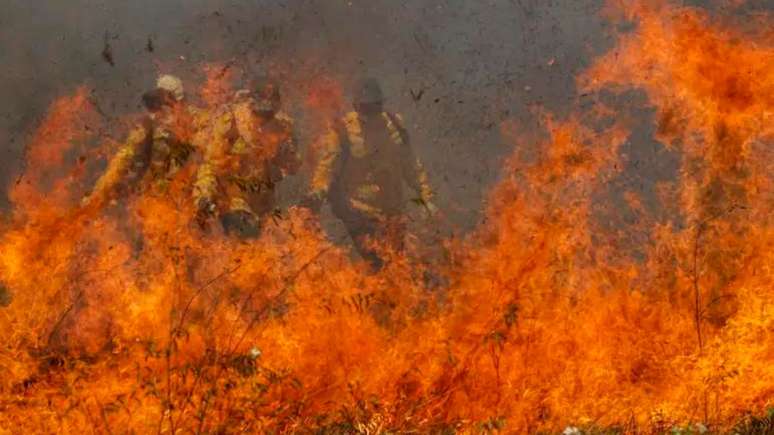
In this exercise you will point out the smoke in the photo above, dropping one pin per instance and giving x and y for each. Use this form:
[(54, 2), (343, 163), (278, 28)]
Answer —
[(456, 69)]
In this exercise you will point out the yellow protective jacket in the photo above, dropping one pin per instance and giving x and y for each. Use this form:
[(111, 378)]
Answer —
[(160, 145), (130, 161), (245, 158), (364, 162)]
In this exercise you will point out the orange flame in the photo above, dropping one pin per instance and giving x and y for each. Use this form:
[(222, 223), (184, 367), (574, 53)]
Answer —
[(543, 324)]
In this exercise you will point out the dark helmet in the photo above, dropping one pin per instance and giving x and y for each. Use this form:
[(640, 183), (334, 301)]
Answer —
[(368, 91), (267, 97), (156, 99)]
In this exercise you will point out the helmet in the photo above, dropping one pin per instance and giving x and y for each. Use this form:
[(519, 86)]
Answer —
[(267, 97), (368, 91), (156, 99), (172, 84)]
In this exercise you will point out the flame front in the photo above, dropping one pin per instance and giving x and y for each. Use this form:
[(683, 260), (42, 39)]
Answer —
[(130, 319)]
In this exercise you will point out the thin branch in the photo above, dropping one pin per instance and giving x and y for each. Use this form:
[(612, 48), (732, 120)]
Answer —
[(199, 291), (698, 310), (63, 316), (696, 289), (253, 321)]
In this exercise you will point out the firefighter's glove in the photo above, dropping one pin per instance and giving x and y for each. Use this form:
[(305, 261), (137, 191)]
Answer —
[(313, 201), (205, 210), (431, 209), (241, 224)]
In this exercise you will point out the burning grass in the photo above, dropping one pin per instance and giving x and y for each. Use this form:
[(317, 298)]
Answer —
[(544, 323)]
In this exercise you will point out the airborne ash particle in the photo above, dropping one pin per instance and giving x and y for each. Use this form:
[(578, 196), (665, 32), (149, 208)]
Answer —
[(5, 296), (107, 51)]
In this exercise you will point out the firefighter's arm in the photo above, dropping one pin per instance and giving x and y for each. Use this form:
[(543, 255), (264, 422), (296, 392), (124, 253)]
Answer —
[(329, 148), (204, 193), (287, 158), (205, 186), (244, 128), (412, 169), (206, 183), (119, 166)]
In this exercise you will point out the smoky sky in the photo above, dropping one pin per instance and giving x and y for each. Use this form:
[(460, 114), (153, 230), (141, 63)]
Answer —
[(455, 69)]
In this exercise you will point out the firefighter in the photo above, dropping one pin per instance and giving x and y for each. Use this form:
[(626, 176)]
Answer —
[(365, 159), (157, 147), (253, 148)]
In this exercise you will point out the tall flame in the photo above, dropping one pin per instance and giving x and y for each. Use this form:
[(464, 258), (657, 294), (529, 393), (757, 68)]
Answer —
[(132, 319)]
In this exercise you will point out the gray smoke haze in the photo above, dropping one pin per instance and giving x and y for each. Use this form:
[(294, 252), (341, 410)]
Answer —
[(475, 63)]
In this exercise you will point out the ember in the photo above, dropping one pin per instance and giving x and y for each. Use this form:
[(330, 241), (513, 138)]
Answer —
[(165, 288)]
